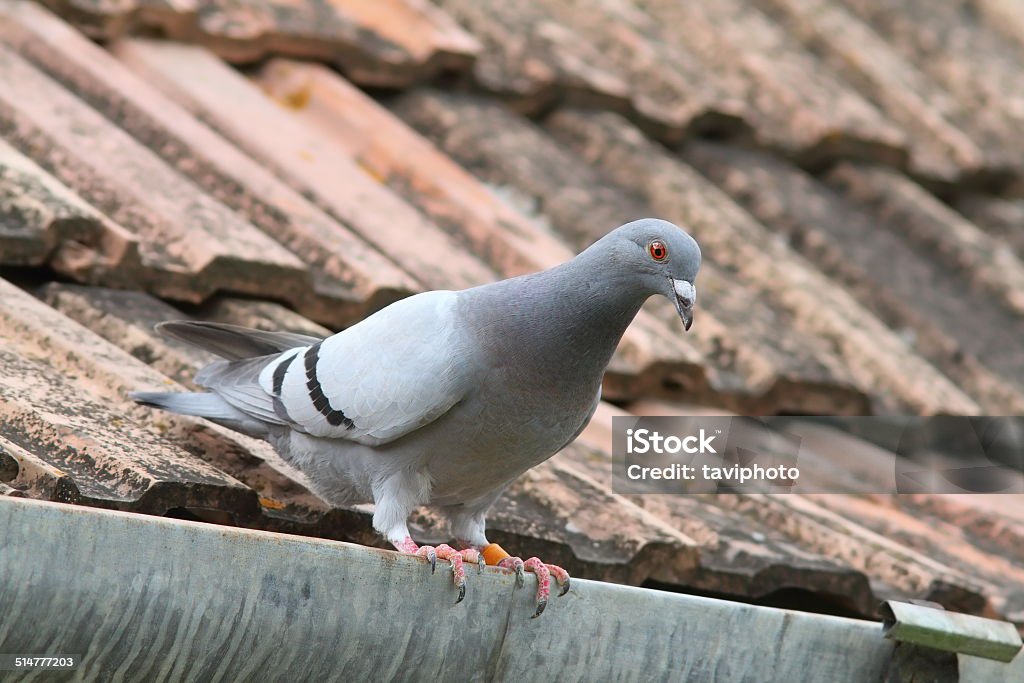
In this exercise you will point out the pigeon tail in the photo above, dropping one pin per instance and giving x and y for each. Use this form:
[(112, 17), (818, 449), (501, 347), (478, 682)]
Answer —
[(201, 404)]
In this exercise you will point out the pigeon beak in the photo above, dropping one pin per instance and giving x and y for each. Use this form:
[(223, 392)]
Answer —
[(686, 297)]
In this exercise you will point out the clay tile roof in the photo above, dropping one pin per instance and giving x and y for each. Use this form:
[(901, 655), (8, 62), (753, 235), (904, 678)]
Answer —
[(852, 171)]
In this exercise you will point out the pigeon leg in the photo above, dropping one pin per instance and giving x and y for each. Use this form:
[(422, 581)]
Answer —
[(497, 556)]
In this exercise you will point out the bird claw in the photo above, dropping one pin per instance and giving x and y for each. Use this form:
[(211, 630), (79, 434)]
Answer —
[(430, 553), (517, 565), (455, 557), (544, 573)]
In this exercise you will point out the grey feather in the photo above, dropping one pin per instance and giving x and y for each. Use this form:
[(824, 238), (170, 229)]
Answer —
[(237, 383), (210, 406), (232, 342)]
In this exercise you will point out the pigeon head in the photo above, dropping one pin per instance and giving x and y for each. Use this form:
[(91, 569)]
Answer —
[(662, 257)]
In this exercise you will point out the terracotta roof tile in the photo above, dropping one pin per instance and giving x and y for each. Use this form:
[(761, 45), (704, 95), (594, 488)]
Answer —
[(411, 166), (261, 315), (349, 276), (190, 245), (59, 403), (390, 43), (871, 256), (1003, 16), (1000, 217), (804, 108), (126, 318), (754, 545), (608, 54), (932, 119), (319, 168), (44, 222), (955, 243), (977, 66)]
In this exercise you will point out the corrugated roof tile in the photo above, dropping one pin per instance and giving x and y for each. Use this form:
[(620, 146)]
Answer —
[(804, 108), (753, 545), (411, 166), (898, 280), (1000, 217), (978, 66), (42, 222), (350, 277), (190, 245), (392, 43), (987, 263), (319, 168), (932, 119), (59, 404), (608, 54)]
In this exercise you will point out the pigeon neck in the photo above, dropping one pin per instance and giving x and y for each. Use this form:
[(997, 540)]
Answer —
[(574, 314)]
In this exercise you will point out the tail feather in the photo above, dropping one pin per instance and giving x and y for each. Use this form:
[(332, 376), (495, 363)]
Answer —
[(232, 341), (200, 404)]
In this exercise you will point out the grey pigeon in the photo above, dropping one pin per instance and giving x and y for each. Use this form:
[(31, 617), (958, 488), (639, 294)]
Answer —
[(445, 397)]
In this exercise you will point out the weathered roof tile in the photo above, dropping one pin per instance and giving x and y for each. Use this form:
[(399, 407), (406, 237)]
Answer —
[(1001, 218), (190, 245), (349, 276), (977, 65), (987, 263), (937, 307), (754, 545), (412, 167), (56, 407), (316, 167), (933, 120), (803, 107), (43, 222), (608, 54), (126, 318), (391, 43)]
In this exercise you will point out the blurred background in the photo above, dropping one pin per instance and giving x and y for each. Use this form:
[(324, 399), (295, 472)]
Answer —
[(853, 170)]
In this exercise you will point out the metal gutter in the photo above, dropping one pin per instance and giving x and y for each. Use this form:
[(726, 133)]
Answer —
[(149, 598), (950, 632)]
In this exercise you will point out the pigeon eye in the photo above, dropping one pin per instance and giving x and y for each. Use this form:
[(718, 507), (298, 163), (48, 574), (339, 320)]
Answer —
[(658, 250)]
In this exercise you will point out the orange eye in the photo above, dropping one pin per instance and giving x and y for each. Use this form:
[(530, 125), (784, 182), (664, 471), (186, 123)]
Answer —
[(659, 252)]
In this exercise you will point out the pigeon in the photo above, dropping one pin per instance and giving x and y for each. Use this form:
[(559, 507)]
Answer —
[(444, 398)]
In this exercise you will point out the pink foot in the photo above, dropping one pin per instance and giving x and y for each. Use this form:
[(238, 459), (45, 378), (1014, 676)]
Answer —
[(544, 573), (445, 552)]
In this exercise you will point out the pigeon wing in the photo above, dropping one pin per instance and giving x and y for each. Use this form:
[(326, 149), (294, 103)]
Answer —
[(377, 381)]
